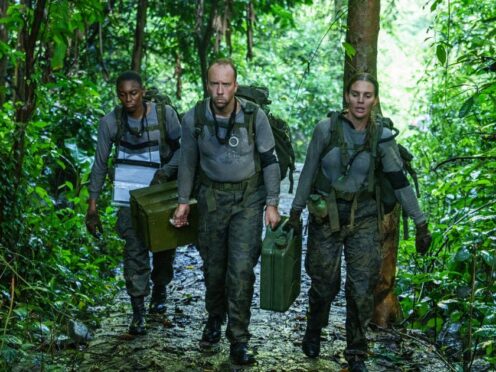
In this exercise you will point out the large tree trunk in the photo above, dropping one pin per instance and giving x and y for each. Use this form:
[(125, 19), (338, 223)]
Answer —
[(362, 35), (387, 307), (139, 36)]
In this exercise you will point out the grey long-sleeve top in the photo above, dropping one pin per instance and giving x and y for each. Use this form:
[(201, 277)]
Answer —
[(224, 163), (107, 131), (358, 174)]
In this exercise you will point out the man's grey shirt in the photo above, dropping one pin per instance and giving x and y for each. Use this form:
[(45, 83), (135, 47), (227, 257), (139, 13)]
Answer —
[(107, 131), (358, 174), (223, 162)]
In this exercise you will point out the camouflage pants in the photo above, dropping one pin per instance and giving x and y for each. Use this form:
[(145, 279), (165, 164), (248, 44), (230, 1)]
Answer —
[(361, 245), (229, 241), (137, 259)]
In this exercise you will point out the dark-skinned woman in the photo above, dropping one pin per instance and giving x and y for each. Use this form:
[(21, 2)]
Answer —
[(338, 185), (146, 139)]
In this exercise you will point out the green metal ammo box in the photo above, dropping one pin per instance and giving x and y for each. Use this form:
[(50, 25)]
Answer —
[(280, 274), (151, 209), (149, 195)]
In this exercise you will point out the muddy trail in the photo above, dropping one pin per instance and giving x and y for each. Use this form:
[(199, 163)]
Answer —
[(172, 340)]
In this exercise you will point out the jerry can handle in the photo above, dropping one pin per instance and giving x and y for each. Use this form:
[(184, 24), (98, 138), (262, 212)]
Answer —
[(280, 234)]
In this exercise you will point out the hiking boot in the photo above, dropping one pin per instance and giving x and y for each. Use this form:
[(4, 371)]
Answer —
[(137, 326), (211, 332), (357, 365), (157, 301), (311, 343), (240, 355)]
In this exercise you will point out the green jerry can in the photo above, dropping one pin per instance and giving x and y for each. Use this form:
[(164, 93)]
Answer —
[(280, 275), (151, 209)]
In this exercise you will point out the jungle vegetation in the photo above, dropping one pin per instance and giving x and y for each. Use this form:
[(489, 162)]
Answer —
[(58, 62)]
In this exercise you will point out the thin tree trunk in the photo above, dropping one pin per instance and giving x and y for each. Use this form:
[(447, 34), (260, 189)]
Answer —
[(178, 73), (250, 20), (105, 72), (228, 16), (94, 39), (3, 61), (203, 35), (139, 36), (93, 31)]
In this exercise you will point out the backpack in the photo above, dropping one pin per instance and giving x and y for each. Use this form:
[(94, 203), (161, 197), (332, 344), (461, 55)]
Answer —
[(378, 183), (387, 195), (258, 98)]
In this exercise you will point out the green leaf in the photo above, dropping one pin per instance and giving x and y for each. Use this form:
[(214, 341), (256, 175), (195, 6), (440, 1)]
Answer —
[(462, 255), (435, 323), (489, 258), (40, 124), (466, 107), (21, 312), (59, 54), (42, 193), (349, 50), (435, 4), (441, 54), (455, 316), (444, 304), (486, 331), (11, 340)]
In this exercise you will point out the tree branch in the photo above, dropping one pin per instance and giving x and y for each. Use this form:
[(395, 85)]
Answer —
[(456, 158)]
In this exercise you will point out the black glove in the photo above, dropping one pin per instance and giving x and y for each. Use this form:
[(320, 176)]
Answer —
[(294, 221), (423, 238), (93, 224), (159, 177)]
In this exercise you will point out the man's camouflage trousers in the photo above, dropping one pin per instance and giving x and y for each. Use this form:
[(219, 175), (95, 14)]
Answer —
[(137, 259), (361, 244), (229, 240)]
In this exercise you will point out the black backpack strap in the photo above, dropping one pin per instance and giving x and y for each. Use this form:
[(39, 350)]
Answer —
[(120, 130), (320, 182), (337, 139), (250, 110), (336, 129), (375, 161), (200, 117), (167, 147), (250, 113)]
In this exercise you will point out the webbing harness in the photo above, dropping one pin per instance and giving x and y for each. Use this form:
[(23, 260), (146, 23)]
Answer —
[(162, 127), (322, 183), (250, 184)]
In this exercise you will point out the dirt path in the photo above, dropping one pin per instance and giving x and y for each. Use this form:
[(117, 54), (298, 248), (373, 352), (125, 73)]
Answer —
[(172, 340)]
